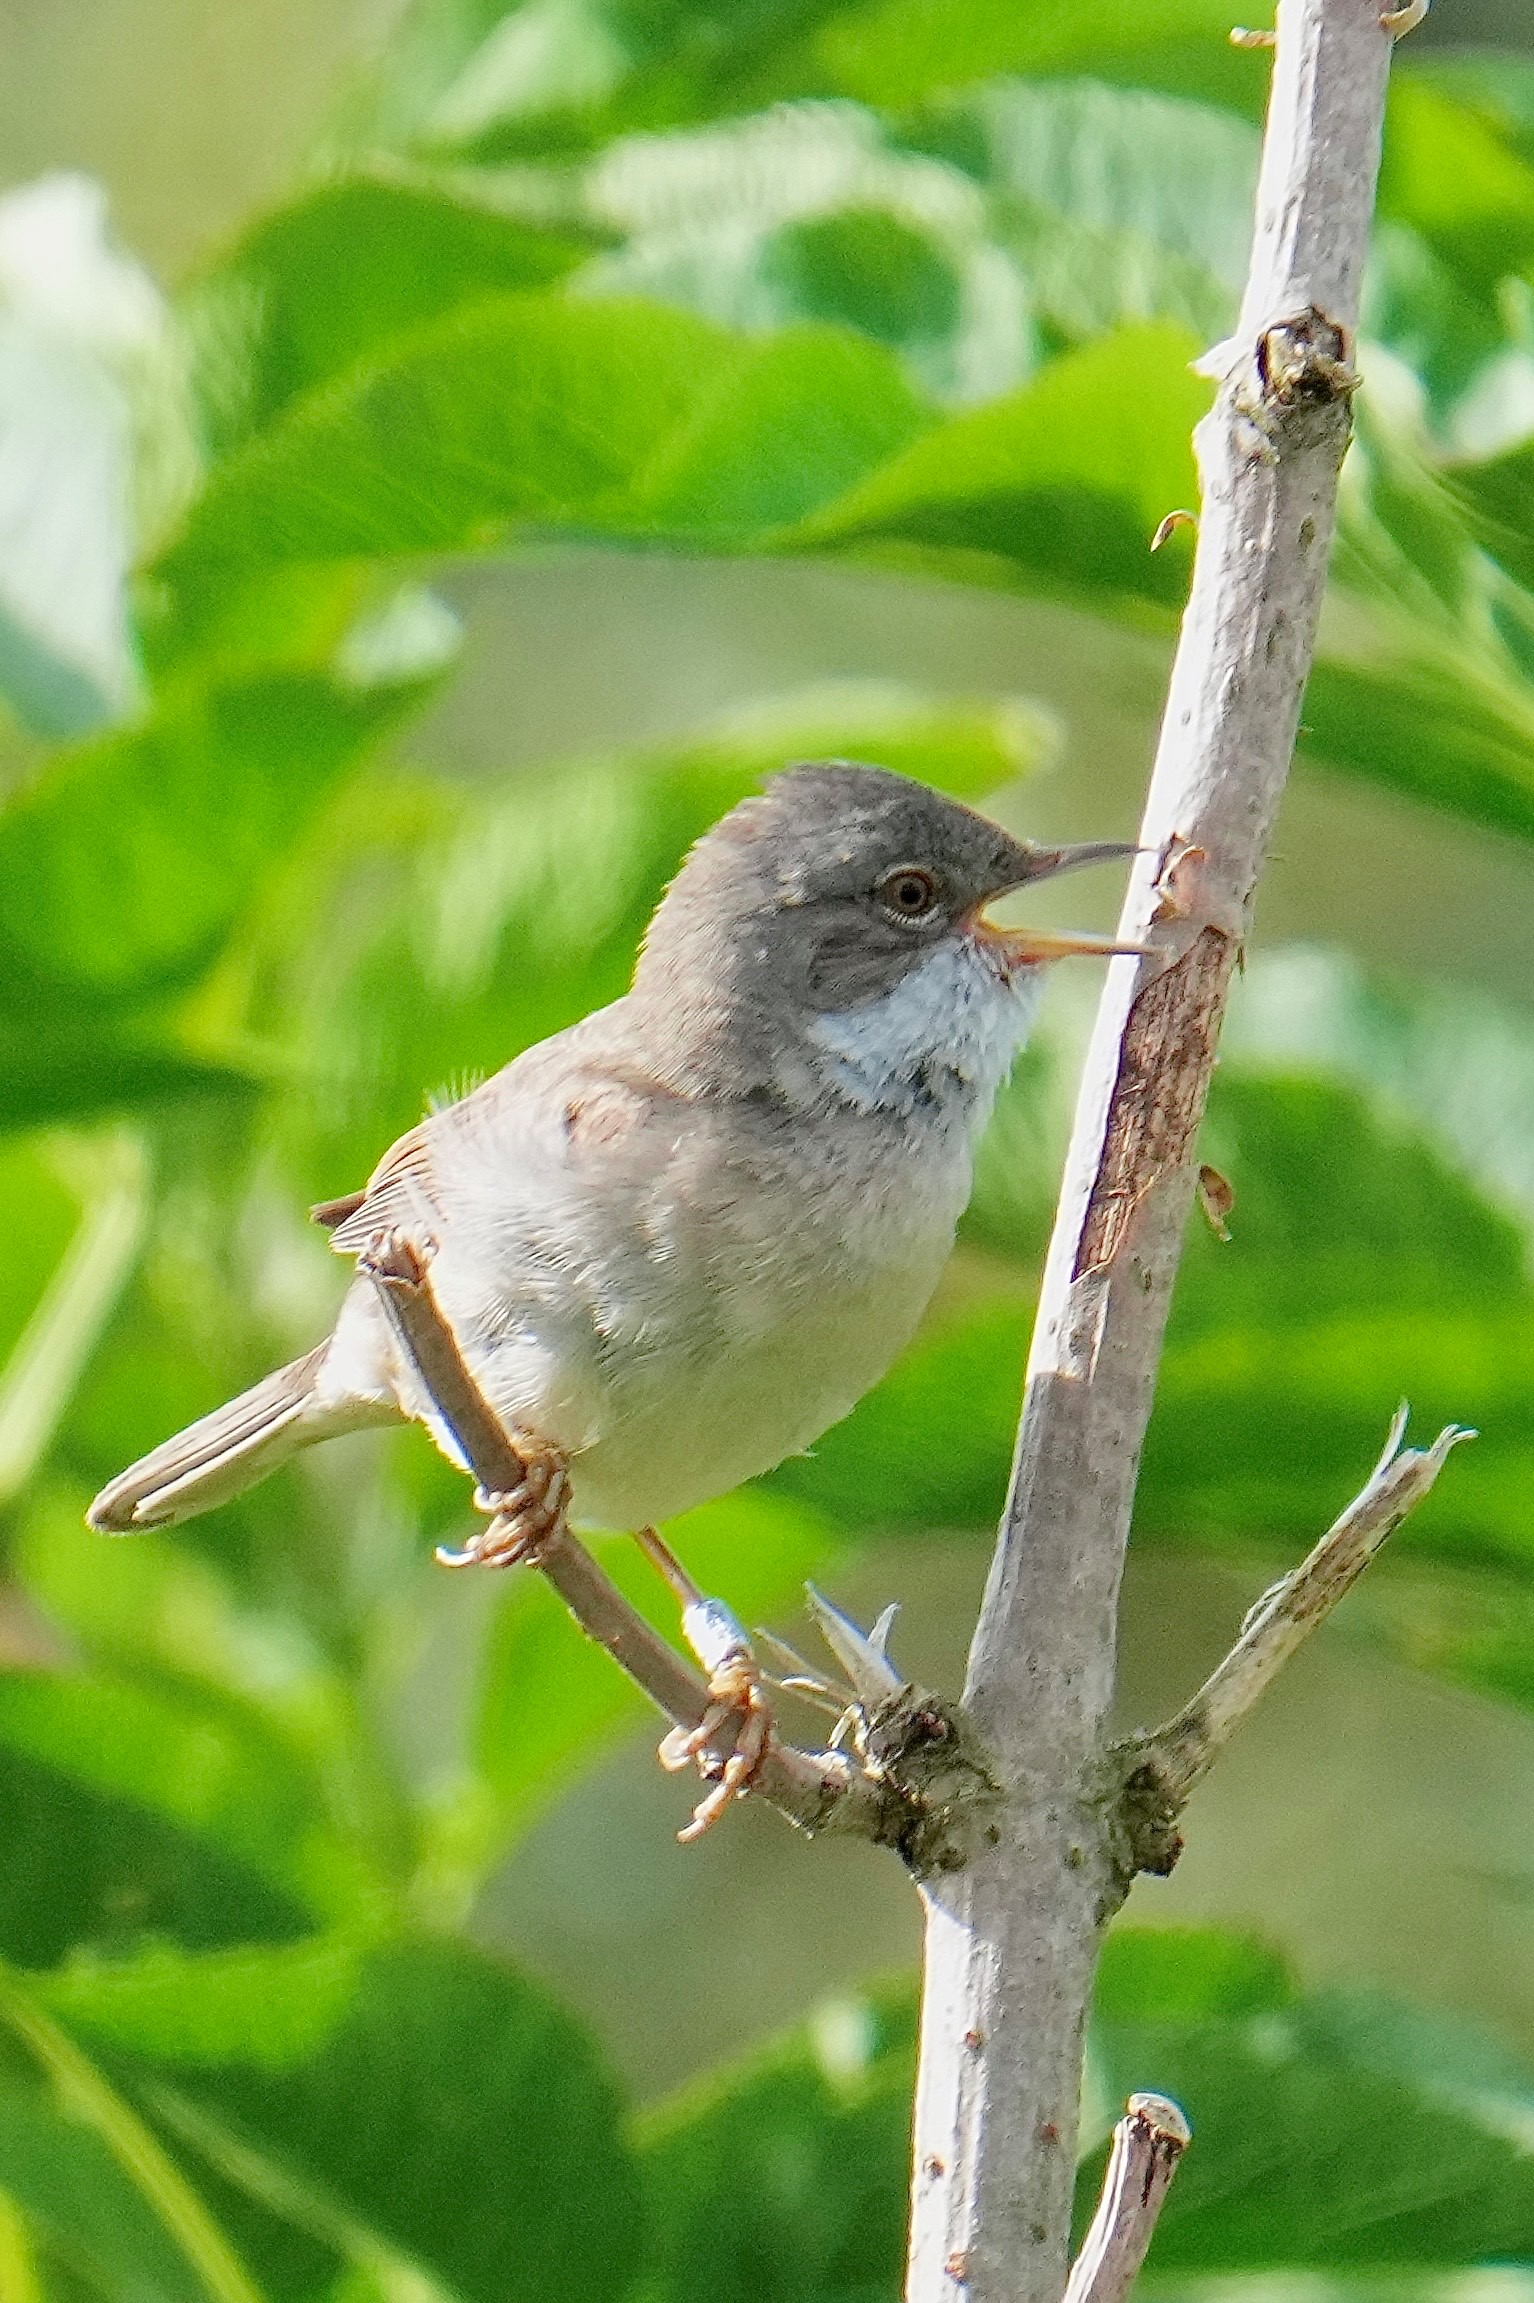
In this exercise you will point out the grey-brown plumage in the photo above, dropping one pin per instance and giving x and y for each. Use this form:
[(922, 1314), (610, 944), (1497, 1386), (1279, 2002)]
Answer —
[(679, 1240)]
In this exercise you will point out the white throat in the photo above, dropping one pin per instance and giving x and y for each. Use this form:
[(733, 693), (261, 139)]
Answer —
[(946, 1036)]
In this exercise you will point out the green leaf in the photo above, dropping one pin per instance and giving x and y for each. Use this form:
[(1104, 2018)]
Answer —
[(522, 408), (1435, 1058), (815, 212), (1187, 1974), (129, 2149), (429, 2095), (45, 1363), (1452, 176), (895, 52), (1495, 84), (785, 2180), (319, 284), (80, 2204), (130, 859), (1385, 2139), (82, 1073), (271, 2007), (1122, 206), (789, 427), (1065, 479), (128, 1814), (1381, 2142), (557, 75), (1498, 497)]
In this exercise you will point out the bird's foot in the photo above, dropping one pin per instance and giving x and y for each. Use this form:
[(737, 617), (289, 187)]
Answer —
[(738, 1704), (1399, 21), (525, 1522)]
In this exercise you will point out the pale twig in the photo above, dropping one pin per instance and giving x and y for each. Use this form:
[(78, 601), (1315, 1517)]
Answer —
[(815, 1790), (1183, 1751), (1012, 1937), (1148, 2142)]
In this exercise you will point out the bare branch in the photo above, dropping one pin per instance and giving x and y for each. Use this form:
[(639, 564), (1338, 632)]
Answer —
[(1148, 2142), (1183, 1751), (1012, 1939), (818, 1791)]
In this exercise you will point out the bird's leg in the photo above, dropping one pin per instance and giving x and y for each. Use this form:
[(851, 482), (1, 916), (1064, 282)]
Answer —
[(525, 1521), (736, 1689)]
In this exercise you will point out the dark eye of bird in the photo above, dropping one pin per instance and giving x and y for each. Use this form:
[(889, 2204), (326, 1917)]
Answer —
[(908, 893)]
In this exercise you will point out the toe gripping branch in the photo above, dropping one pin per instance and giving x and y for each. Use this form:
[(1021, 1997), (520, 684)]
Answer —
[(722, 1724)]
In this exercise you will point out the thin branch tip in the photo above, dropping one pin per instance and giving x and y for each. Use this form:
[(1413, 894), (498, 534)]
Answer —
[(1165, 2118), (1148, 2144), (1163, 1769)]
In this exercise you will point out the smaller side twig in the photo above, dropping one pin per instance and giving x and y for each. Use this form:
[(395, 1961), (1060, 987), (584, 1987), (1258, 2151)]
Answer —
[(1148, 2142), (815, 1790), (1182, 1752)]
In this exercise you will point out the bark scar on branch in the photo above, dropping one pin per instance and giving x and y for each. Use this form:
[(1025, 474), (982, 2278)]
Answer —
[(1158, 1096)]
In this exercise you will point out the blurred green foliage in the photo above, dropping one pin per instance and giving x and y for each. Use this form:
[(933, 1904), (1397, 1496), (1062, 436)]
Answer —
[(892, 282)]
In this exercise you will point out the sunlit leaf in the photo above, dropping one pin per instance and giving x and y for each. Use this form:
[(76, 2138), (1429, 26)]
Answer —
[(791, 427), (897, 51), (520, 408), (318, 284), (96, 452), (1123, 206), (131, 857), (431, 2095), (1067, 478), (129, 1814)]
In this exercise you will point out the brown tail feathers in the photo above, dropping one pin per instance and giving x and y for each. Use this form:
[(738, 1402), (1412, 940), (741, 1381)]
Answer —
[(221, 1454)]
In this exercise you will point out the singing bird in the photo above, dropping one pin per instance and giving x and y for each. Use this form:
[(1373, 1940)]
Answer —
[(678, 1241)]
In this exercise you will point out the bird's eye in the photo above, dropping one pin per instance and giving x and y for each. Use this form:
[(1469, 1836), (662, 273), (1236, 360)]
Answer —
[(908, 893)]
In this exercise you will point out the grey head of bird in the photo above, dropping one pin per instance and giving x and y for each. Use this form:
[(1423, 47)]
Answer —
[(826, 941)]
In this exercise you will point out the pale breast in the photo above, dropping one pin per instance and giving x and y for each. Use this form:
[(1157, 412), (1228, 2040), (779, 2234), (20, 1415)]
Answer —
[(762, 1314)]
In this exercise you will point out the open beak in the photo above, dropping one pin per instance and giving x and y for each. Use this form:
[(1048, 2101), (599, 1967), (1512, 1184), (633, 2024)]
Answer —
[(1034, 947)]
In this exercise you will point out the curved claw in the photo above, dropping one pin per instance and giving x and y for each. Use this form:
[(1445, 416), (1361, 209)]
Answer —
[(736, 1695), (524, 1523)]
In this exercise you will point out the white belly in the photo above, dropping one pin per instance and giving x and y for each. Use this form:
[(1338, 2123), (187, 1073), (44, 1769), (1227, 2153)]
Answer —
[(686, 1424), (695, 1343)]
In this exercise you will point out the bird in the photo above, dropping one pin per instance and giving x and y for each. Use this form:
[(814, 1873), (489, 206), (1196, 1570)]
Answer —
[(679, 1240)]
